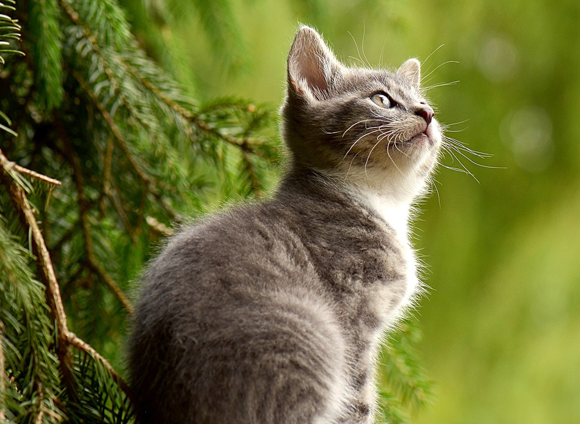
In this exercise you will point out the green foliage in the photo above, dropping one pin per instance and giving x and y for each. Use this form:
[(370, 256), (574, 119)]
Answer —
[(31, 373), (101, 400), (9, 30), (404, 386), (45, 34)]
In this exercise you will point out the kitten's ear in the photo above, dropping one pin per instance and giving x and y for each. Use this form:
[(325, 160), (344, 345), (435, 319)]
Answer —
[(411, 70), (311, 65)]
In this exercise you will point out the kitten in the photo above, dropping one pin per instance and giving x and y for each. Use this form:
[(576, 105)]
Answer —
[(274, 312)]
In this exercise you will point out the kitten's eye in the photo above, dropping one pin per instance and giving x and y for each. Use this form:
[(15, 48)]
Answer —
[(381, 100)]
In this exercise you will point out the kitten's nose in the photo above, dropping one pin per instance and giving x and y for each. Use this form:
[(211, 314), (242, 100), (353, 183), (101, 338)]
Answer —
[(425, 112)]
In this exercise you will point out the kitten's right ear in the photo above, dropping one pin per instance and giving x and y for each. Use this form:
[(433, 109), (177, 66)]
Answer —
[(411, 70), (312, 66)]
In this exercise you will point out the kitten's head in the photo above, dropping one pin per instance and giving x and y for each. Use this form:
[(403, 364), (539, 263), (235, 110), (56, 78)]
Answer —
[(371, 127)]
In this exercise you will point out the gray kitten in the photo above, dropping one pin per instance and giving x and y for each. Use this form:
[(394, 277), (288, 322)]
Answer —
[(274, 312)]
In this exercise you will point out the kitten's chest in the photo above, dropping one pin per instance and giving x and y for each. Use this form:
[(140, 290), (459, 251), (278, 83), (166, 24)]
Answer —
[(376, 280)]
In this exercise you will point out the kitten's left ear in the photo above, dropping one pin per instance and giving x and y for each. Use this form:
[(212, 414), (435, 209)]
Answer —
[(411, 70), (312, 66)]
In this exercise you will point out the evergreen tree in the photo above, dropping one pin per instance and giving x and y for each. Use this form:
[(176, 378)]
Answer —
[(101, 154)]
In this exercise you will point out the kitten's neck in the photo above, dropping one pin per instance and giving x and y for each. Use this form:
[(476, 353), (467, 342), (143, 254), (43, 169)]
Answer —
[(393, 207)]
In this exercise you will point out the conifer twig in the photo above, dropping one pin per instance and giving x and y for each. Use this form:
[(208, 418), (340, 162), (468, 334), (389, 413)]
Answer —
[(255, 181), (84, 206), (245, 144), (151, 184), (80, 344), (43, 257), (14, 166), (44, 262), (118, 136), (66, 338), (40, 414)]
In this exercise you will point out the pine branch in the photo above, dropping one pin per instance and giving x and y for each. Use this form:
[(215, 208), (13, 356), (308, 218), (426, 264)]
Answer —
[(46, 270), (65, 337), (402, 375), (9, 30), (84, 206), (85, 347), (247, 144), (9, 166), (152, 185), (43, 257), (46, 37)]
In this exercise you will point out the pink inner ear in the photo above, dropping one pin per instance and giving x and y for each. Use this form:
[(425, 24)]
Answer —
[(313, 72), (311, 62)]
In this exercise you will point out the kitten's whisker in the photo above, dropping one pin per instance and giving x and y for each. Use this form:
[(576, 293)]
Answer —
[(476, 163), (452, 168), (460, 146), (455, 131), (329, 132), (432, 53), (357, 140), (445, 126), (462, 165), (369, 156), (350, 165), (393, 162), (362, 46), (358, 60), (434, 184), (440, 85), (439, 66), (355, 124), (400, 151), (365, 64)]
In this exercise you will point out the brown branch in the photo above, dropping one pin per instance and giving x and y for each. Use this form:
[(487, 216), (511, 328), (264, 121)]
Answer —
[(66, 237), (45, 268), (9, 166), (150, 181), (117, 133), (80, 344), (66, 338), (151, 184), (110, 282), (39, 417), (47, 271), (107, 166), (113, 196), (40, 414), (188, 115)]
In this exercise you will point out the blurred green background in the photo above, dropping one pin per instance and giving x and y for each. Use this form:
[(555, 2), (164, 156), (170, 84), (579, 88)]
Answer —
[(502, 321)]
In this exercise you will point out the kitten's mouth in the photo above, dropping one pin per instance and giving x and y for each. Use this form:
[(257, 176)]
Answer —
[(425, 135), (425, 138)]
